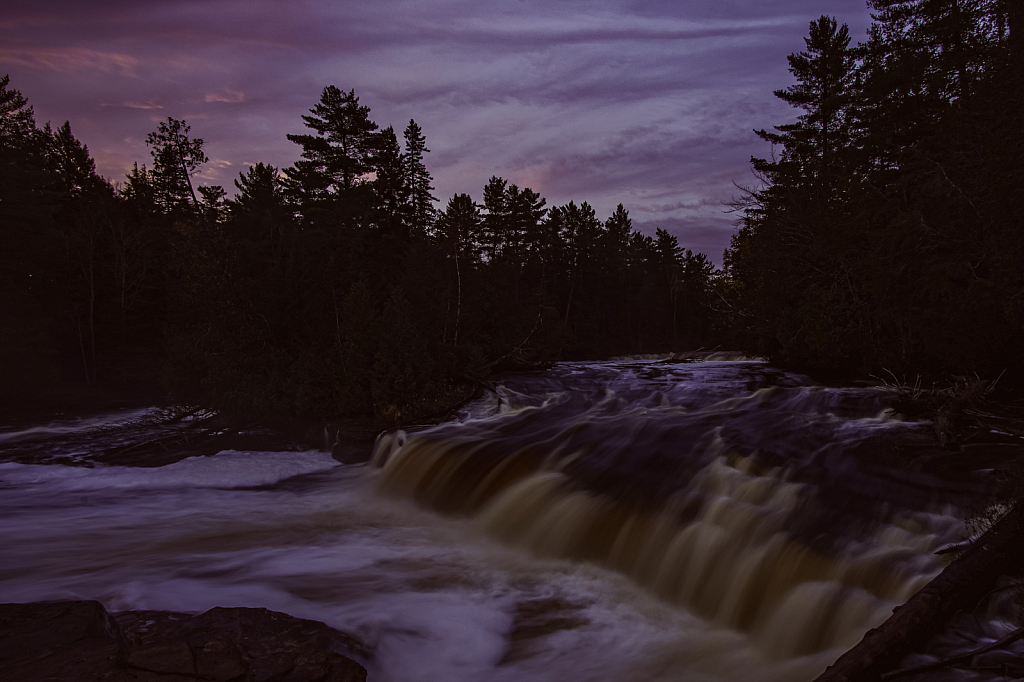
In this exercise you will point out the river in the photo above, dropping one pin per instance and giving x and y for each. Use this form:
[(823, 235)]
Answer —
[(627, 520)]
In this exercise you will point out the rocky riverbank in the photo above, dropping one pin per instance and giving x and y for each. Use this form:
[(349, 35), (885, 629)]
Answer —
[(78, 641)]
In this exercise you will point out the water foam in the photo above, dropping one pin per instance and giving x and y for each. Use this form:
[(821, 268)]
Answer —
[(227, 469)]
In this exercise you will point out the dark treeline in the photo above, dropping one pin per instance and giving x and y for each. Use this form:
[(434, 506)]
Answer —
[(888, 232), (885, 234), (331, 287)]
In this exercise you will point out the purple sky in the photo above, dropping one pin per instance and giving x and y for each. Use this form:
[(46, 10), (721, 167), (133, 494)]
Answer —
[(650, 104)]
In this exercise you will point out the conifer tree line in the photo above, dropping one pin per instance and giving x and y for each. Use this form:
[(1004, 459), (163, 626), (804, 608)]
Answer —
[(887, 232), (334, 286)]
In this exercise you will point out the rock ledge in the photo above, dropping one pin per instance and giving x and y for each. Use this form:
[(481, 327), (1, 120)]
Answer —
[(76, 641)]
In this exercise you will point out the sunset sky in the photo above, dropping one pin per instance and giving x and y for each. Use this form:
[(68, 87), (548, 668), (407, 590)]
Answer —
[(648, 104)]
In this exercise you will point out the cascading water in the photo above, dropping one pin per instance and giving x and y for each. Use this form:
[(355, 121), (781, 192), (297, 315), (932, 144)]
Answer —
[(601, 521), (705, 497)]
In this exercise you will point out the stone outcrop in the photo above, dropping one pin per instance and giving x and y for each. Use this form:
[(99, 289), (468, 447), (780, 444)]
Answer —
[(78, 641)]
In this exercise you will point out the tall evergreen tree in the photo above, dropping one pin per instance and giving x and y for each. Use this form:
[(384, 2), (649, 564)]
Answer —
[(260, 191), (670, 257), (618, 227), (25, 192), (341, 151), (28, 356), (17, 121), (85, 212), (581, 233), (417, 178), (458, 229), (496, 220), (525, 212), (176, 158), (818, 146), (70, 163), (391, 186), (796, 230)]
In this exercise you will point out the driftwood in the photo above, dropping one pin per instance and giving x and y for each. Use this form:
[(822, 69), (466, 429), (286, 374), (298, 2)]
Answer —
[(959, 587), (955, 547)]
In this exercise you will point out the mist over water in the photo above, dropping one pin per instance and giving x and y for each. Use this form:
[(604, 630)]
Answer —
[(601, 521)]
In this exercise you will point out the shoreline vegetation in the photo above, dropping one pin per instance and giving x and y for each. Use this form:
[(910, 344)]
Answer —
[(882, 237)]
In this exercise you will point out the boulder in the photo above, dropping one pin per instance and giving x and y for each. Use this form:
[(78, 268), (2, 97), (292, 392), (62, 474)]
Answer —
[(72, 641), (76, 640)]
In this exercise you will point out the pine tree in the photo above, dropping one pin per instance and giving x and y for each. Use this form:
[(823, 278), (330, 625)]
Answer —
[(391, 185), (496, 220), (670, 256), (341, 152), (617, 230), (458, 227), (28, 356), (70, 163), (259, 190), (17, 121), (817, 146), (793, 251), (176, 158), (24, 183), (417, 178), (525, 212), (581, 233)]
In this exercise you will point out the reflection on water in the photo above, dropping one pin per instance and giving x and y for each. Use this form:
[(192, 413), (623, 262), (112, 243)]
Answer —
[(603, 521)]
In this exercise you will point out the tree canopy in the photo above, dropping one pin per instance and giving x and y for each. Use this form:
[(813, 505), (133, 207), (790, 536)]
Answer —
[(882, 234), (334, 286)]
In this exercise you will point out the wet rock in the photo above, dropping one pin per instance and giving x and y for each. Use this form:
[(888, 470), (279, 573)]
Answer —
[(538, 618), (58, 641), (71, 641), (164, 657), (1009, 663), (262, 645), (217, 658), (271, 667)]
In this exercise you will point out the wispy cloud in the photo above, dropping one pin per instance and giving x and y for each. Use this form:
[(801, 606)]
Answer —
[(228, 96), (69, 59), (610, 101), (136, 105)]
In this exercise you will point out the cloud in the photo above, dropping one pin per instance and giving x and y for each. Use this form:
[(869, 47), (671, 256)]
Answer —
[(649, 104), (68, 59), (709, 236), (677, 206), (229, 96), (136, 105)]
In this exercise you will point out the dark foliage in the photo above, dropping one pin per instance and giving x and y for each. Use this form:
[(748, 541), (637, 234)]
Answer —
[(332, 287), (887, 232)]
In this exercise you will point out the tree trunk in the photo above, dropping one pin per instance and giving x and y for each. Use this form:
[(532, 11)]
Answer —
[(81, 347), (92, 307), (568, 305), (458, 298), (184, 169)]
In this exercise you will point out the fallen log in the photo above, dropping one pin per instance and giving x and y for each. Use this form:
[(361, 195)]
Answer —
[(959, 587)]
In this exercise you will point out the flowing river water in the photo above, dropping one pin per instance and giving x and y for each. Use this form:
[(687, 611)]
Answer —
[(630, 520)]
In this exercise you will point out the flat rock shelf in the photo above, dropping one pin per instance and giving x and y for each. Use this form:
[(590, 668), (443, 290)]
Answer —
[(74, 641)]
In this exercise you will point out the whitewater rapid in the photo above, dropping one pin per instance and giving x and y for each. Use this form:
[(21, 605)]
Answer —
[(604, 521)]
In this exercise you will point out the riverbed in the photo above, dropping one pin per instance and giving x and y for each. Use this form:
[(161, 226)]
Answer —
[(628, 520)]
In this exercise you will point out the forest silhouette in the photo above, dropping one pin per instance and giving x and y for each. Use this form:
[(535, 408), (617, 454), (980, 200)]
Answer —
[(884, 233)]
